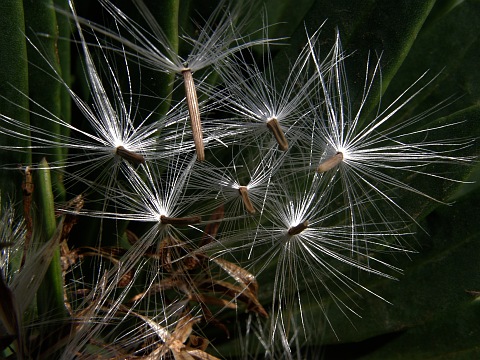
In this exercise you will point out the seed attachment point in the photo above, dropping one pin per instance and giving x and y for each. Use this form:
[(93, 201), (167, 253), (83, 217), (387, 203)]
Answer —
[(194, 112), (130, 156), (277, 132), (297, 229), (246, 199), (184, 221), (330, 163)]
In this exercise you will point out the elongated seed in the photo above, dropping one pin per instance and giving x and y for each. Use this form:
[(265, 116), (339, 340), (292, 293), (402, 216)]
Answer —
[(297, 229), (330, 163), (180, 221), (130, 156), (246, 199), (193, 110), (277, 132)]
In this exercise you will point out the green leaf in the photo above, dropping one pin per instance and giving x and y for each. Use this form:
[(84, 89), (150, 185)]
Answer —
[(283, 17), (450, 47), (167, 15), (45, 91), (435, 310), (372, 27), (63, 45), (13, 83), (440, 188)]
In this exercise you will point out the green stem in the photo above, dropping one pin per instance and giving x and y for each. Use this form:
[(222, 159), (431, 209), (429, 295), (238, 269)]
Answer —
[(50, 299)]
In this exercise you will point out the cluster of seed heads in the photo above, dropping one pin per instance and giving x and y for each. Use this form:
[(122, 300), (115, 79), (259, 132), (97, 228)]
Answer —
[(306, 181)]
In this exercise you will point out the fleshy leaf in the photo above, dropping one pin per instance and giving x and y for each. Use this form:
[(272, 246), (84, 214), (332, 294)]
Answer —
[(13, 83)]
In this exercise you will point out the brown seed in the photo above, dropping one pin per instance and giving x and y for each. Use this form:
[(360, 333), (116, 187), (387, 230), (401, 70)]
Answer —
[(297, 229), (193, 110), (246, 199), (330, 163), (180, 221), (130, 156), (277, 132)]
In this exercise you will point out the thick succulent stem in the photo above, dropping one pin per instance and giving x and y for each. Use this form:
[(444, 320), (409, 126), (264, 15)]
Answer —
[(50, 296)]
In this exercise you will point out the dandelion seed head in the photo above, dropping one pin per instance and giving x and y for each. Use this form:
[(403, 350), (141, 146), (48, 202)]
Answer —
[(345, 152), (119, 142), (160, 215), (298, 229), (235, 185), (295, 221), (293, 214)]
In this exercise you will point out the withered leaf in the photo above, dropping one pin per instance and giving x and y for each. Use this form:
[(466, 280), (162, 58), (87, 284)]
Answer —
[(197, 342), (239, 274), (211, 229), (236, 292), (201, 355), (211, 300), (9, 313)]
